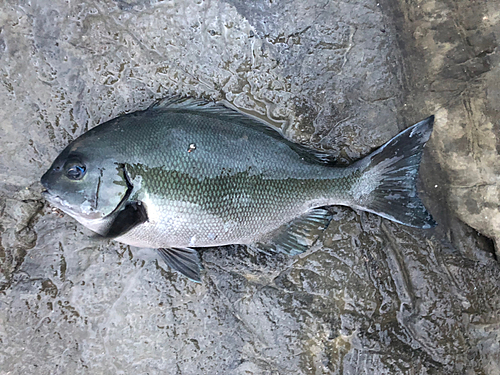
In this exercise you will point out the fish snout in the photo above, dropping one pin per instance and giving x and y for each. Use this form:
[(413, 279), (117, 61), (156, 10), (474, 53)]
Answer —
[(48, 178), (45, 182)]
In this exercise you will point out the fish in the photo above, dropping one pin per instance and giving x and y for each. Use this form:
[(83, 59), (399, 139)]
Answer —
[(187, 174)]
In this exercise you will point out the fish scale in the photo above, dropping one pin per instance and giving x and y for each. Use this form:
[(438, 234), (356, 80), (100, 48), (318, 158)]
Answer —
[(257, 204), (186, 174)]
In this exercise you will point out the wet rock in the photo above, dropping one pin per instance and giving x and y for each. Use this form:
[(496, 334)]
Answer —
[(459, 81), (17, 234), (370, 297)]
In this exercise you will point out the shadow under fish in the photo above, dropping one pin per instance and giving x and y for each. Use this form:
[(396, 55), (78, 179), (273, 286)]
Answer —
[(187, 173)]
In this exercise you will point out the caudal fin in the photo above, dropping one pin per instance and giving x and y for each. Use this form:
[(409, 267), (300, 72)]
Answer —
[(388, 184)]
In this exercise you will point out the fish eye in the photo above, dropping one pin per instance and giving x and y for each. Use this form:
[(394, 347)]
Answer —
[(76, 172)]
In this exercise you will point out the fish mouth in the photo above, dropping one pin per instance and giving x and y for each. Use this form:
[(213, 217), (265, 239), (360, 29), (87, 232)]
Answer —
[(57, 202), (76, 211), (54, 200)]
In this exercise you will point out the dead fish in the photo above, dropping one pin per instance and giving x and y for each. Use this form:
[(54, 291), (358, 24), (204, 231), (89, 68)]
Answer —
[(187, 174)]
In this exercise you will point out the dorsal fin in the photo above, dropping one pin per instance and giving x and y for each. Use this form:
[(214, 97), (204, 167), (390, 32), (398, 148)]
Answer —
[(224, 112)]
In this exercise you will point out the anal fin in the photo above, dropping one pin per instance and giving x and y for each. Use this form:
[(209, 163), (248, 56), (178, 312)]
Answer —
[(186, 261), (299, 235)]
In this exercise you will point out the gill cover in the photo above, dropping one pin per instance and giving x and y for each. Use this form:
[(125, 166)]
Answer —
[(113, 190)]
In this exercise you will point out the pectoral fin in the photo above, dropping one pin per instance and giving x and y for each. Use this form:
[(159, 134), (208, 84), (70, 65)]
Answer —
[(300, 234), (132, 214), (185, 261)]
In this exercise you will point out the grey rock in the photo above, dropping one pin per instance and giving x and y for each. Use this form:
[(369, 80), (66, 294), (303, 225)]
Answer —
[(459, 81), (372, 297)]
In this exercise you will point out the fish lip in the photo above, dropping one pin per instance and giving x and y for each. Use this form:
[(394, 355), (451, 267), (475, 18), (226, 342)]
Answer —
[(48, 195), (54, 200), (57, 202), (61, 204)]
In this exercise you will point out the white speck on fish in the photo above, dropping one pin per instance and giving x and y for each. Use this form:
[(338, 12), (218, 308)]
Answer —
[(192, 241)]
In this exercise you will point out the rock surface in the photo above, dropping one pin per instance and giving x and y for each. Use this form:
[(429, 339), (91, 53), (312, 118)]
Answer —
[(372, 297)]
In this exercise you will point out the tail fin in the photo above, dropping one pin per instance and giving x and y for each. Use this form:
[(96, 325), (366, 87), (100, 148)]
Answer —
[(387, 186)]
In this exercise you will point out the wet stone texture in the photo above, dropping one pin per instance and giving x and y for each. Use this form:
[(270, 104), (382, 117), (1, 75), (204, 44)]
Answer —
[(372, 297)]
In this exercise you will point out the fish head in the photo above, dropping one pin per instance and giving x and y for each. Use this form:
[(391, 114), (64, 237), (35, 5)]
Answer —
[(85, 182)]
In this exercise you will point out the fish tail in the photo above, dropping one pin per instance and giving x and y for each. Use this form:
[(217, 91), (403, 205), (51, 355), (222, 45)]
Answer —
[(388, 182)]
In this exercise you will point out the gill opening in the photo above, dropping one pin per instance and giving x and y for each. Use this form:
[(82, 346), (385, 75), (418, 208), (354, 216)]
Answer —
[(96, 198), (128, 193)]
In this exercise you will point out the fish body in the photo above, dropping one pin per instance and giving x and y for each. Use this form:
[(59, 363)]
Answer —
[(185, 174)]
